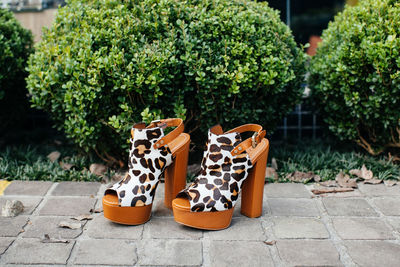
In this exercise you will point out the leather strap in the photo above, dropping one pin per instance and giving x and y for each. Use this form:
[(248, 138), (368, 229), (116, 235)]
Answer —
[(258, 135), (175, 122)]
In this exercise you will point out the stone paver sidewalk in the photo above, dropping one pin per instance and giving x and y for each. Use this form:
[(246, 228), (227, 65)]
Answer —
[(361, 228)]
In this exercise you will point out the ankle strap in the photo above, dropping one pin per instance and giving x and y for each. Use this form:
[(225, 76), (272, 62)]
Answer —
[(175, 122), (258, 135)]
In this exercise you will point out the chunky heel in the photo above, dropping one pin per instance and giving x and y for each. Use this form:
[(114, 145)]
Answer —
[(175, 174), (253, 186)]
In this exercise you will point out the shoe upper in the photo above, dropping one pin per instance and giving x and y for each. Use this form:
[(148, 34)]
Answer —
[(146, 164), (221, 177)]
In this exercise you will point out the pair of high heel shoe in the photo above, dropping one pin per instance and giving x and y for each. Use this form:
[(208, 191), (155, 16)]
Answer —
[(229, 165)]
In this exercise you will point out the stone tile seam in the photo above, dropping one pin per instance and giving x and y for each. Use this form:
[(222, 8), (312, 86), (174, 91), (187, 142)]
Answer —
[(384, 218), (74, 249), (44, 200), (270, 235), (18, 237), (337, 242)]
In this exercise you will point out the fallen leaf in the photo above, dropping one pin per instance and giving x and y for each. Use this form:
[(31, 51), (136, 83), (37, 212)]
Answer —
[(98, 169), (83, 217), (317, 178), (271, 173), (70, 225), (47, 239), (364, 173), (67, 166), (301, 177), (53, 156), (390, 182), (319, 191), (270, 242), (98, 210), (329, 183), (344, 180), (373, 181), (274, 164), (12, 208)]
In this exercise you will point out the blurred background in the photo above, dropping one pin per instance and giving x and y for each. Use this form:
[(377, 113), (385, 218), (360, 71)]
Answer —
[(306, 18)]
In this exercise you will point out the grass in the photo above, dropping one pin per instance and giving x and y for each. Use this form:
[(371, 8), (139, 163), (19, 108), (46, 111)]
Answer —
[(327, 160), (26, 162), (31, 163)]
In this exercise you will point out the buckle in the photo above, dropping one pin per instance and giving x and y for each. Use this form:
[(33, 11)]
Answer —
[(159, 123), (253, 140)]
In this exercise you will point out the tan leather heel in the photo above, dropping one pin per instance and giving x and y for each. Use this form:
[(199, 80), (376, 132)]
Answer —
[(175, 175), (253, 186)]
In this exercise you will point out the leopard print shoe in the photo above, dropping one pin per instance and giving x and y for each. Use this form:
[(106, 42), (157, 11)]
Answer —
[(151, 154), (229, 166)]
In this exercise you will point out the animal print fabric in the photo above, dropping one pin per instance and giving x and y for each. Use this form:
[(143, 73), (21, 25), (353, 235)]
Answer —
[(146, 164), (221, 177)]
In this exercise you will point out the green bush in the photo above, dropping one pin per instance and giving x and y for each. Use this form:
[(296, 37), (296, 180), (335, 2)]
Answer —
[(355, 75), (15, 47), (106, 64)]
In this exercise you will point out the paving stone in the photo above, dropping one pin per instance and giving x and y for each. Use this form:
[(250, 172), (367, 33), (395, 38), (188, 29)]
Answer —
[(159, 209), (295, 227), (362, 228), (106, 252), (379, 190), (160, 191), (293, 207), (240, 253), (374, 253), (159, 227), (100, 227), (238, 206), (308, 253), (30, 203), (32, 251), (29, 188), (286, 190), (76, 189), (67, 206), (5, 243), (49, 225), (395, 223), (170, 252), (348, 207), (12, 226), (240, 229), (389, 206)]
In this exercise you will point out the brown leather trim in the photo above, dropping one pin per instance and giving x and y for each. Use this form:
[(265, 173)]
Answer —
[(139, 125), (173, 134), (247, 128), (217, 129), (243, 146)]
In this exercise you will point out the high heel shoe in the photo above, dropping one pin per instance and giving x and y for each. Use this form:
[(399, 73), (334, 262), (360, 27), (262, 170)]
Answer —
[(229, 165), (151, 154)]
